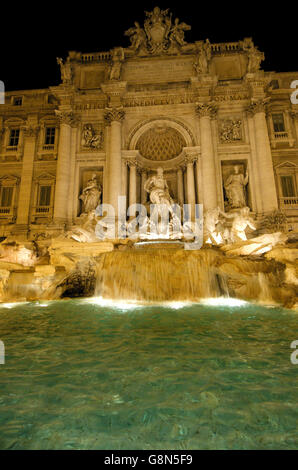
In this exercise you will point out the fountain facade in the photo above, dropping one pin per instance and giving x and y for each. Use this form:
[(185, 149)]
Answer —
[(163, 122)]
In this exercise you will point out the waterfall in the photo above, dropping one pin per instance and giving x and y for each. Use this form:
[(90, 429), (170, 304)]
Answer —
[(158, 275)]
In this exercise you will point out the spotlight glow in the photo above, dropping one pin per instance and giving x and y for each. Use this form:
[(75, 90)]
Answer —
[(223, 302), (11, 304), (117, 304)]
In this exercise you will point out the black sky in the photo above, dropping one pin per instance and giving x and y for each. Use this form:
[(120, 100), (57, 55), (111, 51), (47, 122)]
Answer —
[(33, 35)]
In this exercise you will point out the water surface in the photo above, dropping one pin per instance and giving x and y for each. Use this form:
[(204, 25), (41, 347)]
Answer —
[(83, 376)]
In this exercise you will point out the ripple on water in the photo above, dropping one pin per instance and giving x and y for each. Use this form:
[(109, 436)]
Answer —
[(83, 376)]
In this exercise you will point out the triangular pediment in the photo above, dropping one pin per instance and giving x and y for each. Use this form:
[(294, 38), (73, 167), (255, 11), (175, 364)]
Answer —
[(286, 164)]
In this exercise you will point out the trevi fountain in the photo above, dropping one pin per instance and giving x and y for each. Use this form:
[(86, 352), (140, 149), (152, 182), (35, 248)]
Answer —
[(148, 259)]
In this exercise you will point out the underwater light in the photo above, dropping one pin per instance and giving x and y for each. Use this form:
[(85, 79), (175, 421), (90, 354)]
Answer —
[(223, 302)]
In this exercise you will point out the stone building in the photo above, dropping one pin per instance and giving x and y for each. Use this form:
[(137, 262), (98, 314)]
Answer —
[(196, 110)]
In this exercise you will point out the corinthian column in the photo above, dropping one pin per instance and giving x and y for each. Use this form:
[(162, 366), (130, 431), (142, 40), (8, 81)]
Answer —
[(67, 120), (132, 185), (209, 190), (180, 186), (191, 192), (264, 157), (114, 118), (143, 181), (30, 134)]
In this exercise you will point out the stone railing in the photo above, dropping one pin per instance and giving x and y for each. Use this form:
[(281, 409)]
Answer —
[(289, 202), (220, 47), (95, 57), (280, 135)]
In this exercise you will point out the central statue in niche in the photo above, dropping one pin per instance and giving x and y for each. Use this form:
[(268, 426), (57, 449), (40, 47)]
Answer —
[(163, 220), (158, 189)]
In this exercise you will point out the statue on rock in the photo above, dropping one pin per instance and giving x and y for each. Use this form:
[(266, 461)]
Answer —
[(235, 188), (91, 195), (219, 231)]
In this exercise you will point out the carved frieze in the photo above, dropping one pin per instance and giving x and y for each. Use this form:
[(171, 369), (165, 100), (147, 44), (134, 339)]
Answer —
[(230, 130), (91, 138)]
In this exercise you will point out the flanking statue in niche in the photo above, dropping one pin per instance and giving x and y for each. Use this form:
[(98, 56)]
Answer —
[(89, 137), (235, 187), (91, 195)]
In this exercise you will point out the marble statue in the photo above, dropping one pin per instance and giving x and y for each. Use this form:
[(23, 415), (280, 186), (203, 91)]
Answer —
[(159, 34), (66, 70), (137, 36), (117, 60), (91, 195), (255, 57), (158, 189), (241, 220), (235, 188), (177, 32), (90, 138), (159, 196), (201, 65), (219, 231)]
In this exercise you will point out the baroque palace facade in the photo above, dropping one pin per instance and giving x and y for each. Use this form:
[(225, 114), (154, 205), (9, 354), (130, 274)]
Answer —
[(203, 112)]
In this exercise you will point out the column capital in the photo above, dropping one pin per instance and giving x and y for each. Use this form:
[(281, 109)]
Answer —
[(294, 114), (114, 114), (66, 117), (206, 109), (190, 159), (258, 106), (132, 163)]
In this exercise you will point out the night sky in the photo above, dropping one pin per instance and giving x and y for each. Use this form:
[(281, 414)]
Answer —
[(32, 36)]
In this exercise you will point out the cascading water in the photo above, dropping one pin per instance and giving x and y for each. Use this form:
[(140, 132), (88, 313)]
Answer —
[(159, 275)]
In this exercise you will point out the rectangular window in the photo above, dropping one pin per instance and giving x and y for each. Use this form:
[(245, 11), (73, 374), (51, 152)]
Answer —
[(278, 122), (6, 196), (44, 196), (14, 137), (288, 186), (17, 101), (50, 136)]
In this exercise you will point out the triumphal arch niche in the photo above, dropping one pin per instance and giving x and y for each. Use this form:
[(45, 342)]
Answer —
[(223, 131)]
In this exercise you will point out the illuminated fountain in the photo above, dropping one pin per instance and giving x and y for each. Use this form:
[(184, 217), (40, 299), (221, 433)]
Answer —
[(154, 265)]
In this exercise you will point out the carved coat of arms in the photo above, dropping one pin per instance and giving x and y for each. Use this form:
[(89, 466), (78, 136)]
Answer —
[(159, 34)]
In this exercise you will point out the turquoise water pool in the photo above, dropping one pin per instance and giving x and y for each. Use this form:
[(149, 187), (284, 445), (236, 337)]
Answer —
[(81, 376)]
